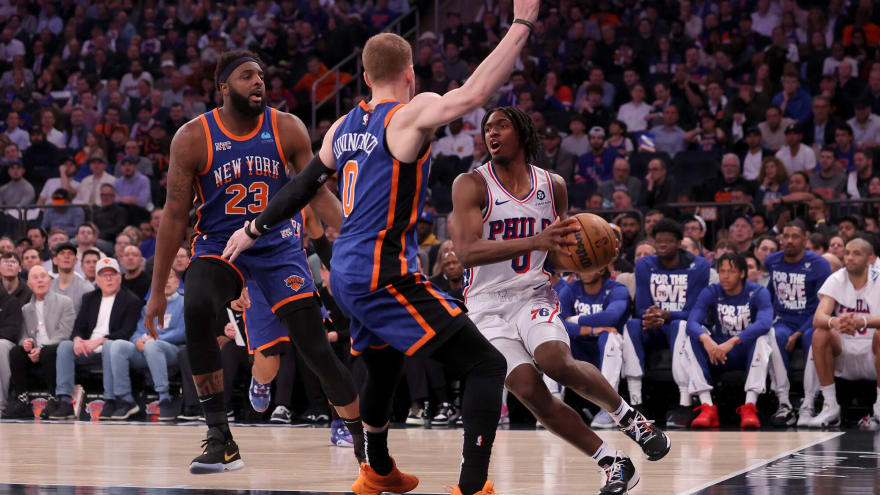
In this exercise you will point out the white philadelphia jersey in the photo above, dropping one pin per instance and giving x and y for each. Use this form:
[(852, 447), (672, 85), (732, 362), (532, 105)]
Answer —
[(507, 217), (848, 299)]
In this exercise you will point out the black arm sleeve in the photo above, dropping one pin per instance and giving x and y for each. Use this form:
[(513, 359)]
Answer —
[(323, 249), (295, 195)]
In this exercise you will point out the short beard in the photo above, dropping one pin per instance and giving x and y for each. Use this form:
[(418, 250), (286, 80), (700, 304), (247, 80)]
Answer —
[(243, 106)]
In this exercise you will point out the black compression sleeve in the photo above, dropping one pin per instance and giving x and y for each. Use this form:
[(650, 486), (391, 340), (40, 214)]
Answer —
[(323, 249), (295, 195)]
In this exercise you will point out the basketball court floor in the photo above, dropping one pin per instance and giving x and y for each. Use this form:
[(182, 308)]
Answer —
[(136, 458)]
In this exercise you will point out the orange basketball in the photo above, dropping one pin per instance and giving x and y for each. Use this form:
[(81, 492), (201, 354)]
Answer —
[(596, 244)]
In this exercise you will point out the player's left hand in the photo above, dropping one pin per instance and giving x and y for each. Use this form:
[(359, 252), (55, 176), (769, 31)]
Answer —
[(792, 341), (239, 241)]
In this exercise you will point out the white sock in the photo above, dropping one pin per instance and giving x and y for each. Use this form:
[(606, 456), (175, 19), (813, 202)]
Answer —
[(621, 411), (684, 399), (783, 398), (634, 383), (706, 398), (829, 392), (752, 397), (604, 451)]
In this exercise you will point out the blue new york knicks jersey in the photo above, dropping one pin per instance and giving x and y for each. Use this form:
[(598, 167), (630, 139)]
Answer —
[(381, 199), (241, 174)]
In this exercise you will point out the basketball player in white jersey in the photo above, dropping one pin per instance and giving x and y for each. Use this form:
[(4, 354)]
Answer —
[(506, 221), (846, 343)]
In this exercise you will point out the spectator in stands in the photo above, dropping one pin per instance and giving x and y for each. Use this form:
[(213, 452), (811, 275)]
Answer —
[(53, 135), (794, 156), (753, 156), (865, 125), (621, 200), (148, 247), (818, 214), (47, 321), (844, 150), (10, 275), (10, 333), (847, 228), (669, 137), (129, 83), (617, 139), (108, 313), (89, 264), (65, 180), (794, 100), (828, 181), (135, 279), (86, 237), (872, 91), (596, 165), (554, 157), (89, 188), (577, 143), (707, 137), (109, 216), (63, 217), (651, 219), (667, 286), (132, 186), (454, 143), (660, 188), (631, 230), (18, 191), (593, 111), (821, 126), (158, 355), (818, 244), (720, 190), (76, 134), (481, 154), (773, 128), (68, 282), (621, 181), (39, 238), (695, 227), (425, 232), (634, 113), (858, 180), (742, 231), (15, 133), (6, 245)]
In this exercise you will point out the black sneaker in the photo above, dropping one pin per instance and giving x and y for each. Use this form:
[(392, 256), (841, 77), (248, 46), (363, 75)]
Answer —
[(19, 408), (446, 414), (220, 454), (167, 411), (190, 413), (654, 443), (680, 417), (125, 410), (51, 405), (620, 474), (784, 416), (281, 414), (64, 410), (108, 410)]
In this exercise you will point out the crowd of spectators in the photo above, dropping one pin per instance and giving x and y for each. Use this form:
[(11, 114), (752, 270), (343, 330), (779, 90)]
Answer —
[(772, 107)]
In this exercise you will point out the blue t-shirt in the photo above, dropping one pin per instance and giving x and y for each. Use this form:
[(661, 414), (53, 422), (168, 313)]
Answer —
[(794, 287), (674, 290), (747, 315)]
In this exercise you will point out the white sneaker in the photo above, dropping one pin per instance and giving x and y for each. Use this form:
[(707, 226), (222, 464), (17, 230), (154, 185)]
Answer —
[(602, 420), (805, 416), (828, 417), (871, 423), (281, 415)]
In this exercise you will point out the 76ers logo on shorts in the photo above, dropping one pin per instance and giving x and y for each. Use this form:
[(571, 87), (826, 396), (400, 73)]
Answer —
[(294, 282), (542, 312)]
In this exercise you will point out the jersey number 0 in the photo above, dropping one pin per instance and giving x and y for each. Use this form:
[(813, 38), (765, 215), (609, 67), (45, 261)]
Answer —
[(349, 177)]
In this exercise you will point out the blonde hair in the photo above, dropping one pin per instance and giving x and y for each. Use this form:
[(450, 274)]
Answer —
[(385, 56)]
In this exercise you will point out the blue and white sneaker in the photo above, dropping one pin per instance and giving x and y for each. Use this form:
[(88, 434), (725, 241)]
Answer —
[(602, 420), (339, 434), (260, 395)]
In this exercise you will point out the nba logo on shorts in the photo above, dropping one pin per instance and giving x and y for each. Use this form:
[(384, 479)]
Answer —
[(294, 282)]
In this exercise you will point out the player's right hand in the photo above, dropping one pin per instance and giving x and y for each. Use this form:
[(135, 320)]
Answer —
[(555, 237), (155, 311), (239, 241), (526, 9)]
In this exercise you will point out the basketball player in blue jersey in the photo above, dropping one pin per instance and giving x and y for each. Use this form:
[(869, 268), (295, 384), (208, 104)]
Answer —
[(594, 309), (381, 151), (796, 275), (667, 287), (505, 220), (729, 329), (235, 158)]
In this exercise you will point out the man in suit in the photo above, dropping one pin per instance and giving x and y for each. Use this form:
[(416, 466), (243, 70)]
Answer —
[(48, 320), (820, 126), (10, 331), (622, 180), (107, 314)]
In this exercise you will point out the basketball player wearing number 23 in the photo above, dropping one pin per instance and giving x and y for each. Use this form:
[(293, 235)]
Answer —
[(509, 220)]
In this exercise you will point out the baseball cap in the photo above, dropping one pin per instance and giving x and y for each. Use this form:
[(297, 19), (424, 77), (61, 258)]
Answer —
[(551, 132), (598, 131), (862, 103), (745, 216), (426, 216), (16, 164), (60, 196), (127, 158), (65, 245), (753, 130), (107, 262), (428, 35), (793, 128), (167, 63)]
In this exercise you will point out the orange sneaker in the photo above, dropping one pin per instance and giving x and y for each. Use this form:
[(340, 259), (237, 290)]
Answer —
[(708, 417), (748, 414), (488, 489), (371, 483)]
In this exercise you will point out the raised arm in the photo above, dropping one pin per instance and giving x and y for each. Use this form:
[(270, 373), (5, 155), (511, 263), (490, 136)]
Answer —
[(187, 157)]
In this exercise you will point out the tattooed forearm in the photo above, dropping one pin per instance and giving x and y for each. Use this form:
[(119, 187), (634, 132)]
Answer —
[(209, 383)]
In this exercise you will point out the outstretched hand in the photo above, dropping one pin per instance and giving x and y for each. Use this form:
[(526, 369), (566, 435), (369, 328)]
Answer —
[(239, 241)]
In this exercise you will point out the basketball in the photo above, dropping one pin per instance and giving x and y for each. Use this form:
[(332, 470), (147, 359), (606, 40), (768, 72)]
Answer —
[(596, 244)]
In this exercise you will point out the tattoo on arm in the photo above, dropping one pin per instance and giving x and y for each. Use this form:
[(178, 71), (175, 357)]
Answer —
[(209, 383)]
